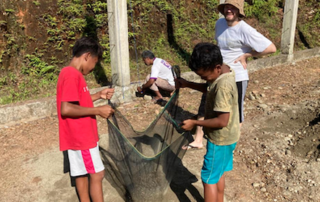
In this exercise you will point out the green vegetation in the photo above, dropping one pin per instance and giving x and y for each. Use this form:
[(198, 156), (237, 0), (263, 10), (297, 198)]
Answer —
[(9, 10), (37, 3), (33, 52)]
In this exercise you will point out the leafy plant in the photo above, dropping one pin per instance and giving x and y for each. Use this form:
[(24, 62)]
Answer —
[(2, 23), (37, 3), (9, 10)]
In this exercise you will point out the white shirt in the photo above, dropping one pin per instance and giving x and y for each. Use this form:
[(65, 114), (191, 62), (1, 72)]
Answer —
[(162, 69), (235, 41)]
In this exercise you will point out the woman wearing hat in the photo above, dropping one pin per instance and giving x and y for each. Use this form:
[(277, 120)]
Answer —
[(238, 41)]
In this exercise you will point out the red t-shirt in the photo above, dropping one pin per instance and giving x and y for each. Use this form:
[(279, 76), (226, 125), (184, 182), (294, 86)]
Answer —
[(75, 133)]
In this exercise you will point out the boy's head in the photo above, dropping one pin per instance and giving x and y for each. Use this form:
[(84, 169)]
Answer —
[(206, 61), (90, 51), (147, 57)]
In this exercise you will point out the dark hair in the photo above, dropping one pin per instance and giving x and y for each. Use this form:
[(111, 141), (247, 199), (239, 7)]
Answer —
[(147, 54), (205, 56), (85, 45)]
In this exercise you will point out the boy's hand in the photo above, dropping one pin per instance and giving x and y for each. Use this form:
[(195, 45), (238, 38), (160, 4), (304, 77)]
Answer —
[(107, 93), (188, 124), (180, 83), (105, 111)]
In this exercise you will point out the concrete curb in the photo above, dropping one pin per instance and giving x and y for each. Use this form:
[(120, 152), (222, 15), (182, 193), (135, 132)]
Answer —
[(46, 107)]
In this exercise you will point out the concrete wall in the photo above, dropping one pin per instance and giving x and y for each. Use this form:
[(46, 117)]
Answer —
[(33, 110), (282, 59)]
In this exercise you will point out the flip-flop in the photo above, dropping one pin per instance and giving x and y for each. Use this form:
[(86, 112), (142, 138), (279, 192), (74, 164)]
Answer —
[(160, 102), (188, 146)]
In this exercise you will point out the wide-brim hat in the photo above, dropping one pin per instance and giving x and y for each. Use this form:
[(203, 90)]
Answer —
[(236, 3)]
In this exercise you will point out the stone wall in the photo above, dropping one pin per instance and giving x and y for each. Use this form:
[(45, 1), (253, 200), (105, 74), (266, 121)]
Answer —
[(41, 108)]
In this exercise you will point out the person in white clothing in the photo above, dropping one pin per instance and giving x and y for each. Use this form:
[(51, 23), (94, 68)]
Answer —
[(237, 41), (161, 76)]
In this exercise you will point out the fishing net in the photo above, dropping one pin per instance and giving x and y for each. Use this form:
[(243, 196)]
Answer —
[(141, 164)]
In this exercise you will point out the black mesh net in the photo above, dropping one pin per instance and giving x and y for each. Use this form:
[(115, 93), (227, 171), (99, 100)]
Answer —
[(142, 164)]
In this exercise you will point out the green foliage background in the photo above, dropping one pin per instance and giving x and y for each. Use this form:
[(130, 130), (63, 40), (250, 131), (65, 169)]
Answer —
[(33, 48)]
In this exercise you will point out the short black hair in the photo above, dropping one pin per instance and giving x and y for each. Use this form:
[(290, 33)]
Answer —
[(147, 54), (85, 45), (205, 56)]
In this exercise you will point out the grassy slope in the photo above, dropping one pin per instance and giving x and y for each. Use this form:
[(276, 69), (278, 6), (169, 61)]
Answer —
[(38, 36)]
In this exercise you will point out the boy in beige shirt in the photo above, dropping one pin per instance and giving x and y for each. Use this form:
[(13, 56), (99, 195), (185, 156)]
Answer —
[(221, 122)]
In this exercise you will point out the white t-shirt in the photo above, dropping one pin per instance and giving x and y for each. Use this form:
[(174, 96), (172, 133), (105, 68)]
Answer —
[(235, 41), (162, 69)]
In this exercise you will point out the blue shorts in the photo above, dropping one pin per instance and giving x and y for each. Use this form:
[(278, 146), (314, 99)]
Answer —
[(218, 159)]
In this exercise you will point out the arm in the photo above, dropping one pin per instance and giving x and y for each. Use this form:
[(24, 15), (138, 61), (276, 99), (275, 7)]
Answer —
[(103, 94), (74, 110), (243, 58), (148, 84), (218, 122), (182, 83)]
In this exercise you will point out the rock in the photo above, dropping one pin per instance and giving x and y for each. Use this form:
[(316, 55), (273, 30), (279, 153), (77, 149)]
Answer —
[(262, 95), (263, 106), (251, 97), (147, 97), (263, 189), (280, 88), (255, 81), (288, 152), (256, 184), (310, 153), (193, 91)]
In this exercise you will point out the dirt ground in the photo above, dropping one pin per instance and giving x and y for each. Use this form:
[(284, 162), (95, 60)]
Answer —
[(276, 159)]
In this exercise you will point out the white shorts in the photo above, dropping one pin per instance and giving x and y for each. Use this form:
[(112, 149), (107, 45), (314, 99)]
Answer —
[(84, 162)]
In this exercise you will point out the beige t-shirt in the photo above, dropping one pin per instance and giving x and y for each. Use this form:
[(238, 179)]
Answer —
[(222, 96)]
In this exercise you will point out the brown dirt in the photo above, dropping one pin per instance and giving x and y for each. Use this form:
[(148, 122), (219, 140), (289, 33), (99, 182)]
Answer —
[(276, 159)]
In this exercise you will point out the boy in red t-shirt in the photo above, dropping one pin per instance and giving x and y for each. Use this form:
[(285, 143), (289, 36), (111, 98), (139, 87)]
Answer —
[(78, 134)]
